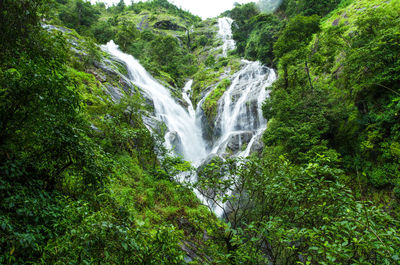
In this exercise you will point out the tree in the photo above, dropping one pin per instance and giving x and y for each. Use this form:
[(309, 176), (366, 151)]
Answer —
[(126, 34), (299, 30), (79, 15), (282, 213), (259, 46), (309, 7)]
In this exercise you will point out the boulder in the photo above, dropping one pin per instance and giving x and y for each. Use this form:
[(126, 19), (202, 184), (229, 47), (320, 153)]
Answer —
[(236, 141)]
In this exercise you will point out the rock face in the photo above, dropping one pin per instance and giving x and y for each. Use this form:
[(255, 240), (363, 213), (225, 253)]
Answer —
[(176, 142), (52, 27), (114, 92), (102, 65), (168, 25), (144, 24), (234, 143), (207, 127), (258, 145)]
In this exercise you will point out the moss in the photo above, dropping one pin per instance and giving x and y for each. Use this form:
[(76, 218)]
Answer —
[(211, 103), (203, 79)]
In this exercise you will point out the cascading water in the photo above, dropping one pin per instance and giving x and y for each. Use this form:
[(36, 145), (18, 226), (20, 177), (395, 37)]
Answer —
[(186, 98), (239, 117), (239, 120), (182, 128), (225, 33), (239, 109)]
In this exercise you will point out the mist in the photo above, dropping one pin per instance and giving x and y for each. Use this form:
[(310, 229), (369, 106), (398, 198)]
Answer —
[(269, 6)]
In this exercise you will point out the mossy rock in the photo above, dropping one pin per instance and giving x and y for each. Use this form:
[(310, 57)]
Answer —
[(211, 103)]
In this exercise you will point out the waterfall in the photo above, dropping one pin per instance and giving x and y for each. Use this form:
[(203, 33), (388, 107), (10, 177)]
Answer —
[(183, 132), (225, 33), (186, 97), (239, 117), (239, 120), (239, 110)]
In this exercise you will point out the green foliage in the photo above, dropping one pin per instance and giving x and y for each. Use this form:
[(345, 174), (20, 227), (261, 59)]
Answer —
[(81, 182), (370, 73), (40, 121), (309, 7), (296, 33), (103, 31), (254, 33), (164, 4), (19, 22), (204, 78), (296, 214), (79, 15), (102, 239), (241, 29), (84, 182), (28, 214), (264, 32), (351, 68), (242, 13), (211, 102), (127, 34), (157, 52), (210, 61)]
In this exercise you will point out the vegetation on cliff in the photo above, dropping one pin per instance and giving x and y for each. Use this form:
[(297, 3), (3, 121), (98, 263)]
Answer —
[(84, 181)]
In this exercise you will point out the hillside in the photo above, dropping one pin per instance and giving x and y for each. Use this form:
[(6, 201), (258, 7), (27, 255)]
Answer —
[(258, 137)]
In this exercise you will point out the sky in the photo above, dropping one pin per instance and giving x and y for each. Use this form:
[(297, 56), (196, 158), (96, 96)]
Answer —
[(202, 8)]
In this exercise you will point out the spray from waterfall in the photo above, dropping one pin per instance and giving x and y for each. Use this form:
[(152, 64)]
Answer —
[(269, 6)]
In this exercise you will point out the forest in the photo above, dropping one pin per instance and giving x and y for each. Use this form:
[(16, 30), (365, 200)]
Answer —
[(86, 176)]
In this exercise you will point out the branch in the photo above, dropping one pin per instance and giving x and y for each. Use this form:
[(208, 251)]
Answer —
[(308, 74)]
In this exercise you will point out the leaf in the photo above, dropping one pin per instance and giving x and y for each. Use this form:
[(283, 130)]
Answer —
[(124, 245)]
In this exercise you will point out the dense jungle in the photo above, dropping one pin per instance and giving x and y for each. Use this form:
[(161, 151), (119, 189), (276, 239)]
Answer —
[(145, 134)]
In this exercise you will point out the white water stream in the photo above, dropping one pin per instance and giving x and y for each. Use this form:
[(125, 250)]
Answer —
[(239, 117), (225, 34), (181, 125)]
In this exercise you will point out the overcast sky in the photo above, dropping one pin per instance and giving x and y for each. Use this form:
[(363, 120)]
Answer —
[(203, 8)]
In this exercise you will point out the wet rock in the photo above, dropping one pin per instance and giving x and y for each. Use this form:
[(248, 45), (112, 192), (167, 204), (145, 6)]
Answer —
[(126, 85), (258, 145), (338, 72), (336, 22), (193, 252), (168, 25), (99, 77), (152, 123), (142, 25), (51, 27), (115, 93), (104, 67), (175, 142), (236, 141), (94, 128)]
